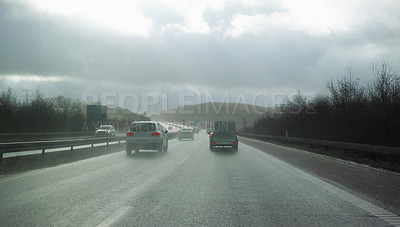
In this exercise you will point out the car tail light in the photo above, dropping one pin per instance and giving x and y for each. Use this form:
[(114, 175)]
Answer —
[(179, 133), (235, 143), (214, 143), (129, 133), (191, 132), (212, 135), (155, 134)]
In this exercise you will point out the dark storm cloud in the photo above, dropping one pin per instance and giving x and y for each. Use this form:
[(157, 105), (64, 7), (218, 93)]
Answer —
[(93, 57), (31, 43)]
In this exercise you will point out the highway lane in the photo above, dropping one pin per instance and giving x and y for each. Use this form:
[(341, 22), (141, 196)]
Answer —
[(189, 185)]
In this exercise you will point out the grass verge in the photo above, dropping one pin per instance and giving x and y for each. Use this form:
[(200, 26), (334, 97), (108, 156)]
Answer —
[(376, 160)]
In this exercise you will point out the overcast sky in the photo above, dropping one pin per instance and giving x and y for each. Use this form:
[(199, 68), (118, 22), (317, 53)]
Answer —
[(73, 47)]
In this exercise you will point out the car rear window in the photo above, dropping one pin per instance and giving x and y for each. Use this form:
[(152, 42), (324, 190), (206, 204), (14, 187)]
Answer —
[(143, 127), (224, 127)]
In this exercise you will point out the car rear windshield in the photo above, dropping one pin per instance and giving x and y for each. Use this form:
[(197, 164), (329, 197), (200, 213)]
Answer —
[(143, 127), (224, 127), (105, 127)]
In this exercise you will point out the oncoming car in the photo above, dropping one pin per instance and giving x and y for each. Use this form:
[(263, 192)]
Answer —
[(106, 130), (185, 133), (146, 135)]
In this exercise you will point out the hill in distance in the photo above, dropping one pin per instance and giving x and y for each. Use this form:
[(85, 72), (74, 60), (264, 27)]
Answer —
[(243, 114)]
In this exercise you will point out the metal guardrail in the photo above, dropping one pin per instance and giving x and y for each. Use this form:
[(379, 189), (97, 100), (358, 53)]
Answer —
[(329, 144), (11, 147), (6, 137)]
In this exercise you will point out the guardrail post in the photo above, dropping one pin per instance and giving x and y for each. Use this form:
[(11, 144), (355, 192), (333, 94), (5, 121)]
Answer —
[(72, 150), (92, 146), (1, 158), (43, 151)]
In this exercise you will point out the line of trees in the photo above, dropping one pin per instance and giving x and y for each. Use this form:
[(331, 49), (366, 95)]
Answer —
[(59, 114), (351, 112), (40, 114)]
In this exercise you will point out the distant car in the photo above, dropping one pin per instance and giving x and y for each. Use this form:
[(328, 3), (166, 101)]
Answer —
[(146, 135), (185, 133), (106, 130), (196, 130)]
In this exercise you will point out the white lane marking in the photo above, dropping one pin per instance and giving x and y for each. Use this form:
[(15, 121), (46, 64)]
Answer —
[(182, 161), (114, 217), (377, 211)]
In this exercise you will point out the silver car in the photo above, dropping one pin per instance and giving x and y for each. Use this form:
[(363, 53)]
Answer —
[(146, 135), (106, 130), (185, 133)]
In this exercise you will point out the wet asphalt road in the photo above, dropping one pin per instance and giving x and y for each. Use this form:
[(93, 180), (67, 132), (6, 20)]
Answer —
[(188, 186)]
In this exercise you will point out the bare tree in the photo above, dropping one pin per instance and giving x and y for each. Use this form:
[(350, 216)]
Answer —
[(380, 91), (346, 91), (384, 94)]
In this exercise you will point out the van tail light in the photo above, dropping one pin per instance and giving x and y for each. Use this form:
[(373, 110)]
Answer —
[(212, 135), (234, 143), (214, 143), (191, 132), (129, 133), (155, 134)]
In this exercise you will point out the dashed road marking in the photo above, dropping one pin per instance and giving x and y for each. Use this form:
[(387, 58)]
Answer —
[(182, 161), (114, 216)]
